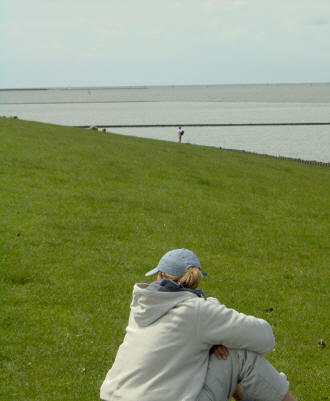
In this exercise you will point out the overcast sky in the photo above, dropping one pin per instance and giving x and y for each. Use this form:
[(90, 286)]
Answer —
[(56, 43)]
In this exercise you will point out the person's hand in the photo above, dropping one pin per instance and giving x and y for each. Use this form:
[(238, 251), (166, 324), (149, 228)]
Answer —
[(220, 351)]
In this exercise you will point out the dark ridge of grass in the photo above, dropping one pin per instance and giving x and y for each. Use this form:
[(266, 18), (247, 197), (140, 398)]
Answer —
[(85, 215)]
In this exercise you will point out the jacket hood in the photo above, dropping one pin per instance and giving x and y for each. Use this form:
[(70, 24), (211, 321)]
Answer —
[(149, 304)]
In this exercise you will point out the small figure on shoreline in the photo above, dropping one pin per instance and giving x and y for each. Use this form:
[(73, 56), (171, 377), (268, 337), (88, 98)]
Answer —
[(180, 133)]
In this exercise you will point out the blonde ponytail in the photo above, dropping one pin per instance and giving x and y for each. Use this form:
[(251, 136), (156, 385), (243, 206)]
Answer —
[(191, 279)]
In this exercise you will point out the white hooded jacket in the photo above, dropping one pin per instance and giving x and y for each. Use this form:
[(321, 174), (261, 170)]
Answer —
[(165, 352)]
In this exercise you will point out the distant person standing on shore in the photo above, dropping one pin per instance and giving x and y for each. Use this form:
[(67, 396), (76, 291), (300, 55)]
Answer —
[(180, 133)]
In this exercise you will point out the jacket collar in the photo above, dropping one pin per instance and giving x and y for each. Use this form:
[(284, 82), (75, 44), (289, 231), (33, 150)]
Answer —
[(168, 285)]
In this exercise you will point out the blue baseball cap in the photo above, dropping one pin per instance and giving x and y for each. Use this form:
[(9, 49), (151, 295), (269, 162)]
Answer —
[(176, 263)]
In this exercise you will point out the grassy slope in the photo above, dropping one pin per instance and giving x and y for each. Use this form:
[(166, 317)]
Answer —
[(86, 214)]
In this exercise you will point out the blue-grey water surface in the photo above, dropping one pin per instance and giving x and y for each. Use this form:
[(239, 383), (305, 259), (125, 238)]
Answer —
[(180, 105)]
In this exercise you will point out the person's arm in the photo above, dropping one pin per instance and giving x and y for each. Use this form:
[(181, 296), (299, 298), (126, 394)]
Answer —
[(221, 325)]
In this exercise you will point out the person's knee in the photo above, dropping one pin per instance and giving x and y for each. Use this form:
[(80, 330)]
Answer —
[(221, 378)]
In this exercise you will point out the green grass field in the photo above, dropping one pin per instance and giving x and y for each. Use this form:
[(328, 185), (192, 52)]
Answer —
[(84, 215)]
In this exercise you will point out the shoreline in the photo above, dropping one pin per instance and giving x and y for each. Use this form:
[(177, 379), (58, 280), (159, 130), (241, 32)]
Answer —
[(293, 159), (102, 129)]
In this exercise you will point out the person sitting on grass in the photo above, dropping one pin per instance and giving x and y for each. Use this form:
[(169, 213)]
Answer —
[(168, 352)]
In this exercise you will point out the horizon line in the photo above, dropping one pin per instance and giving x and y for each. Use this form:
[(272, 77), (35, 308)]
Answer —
[(156, 85)]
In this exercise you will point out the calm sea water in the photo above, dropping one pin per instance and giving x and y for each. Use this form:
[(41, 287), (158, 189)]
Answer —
[(180, 105)]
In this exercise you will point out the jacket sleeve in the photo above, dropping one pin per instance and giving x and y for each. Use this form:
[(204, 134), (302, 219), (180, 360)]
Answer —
[(221, 325)]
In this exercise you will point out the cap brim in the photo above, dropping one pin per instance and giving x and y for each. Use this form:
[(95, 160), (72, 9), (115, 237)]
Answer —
[(151, 272), (204, 274)]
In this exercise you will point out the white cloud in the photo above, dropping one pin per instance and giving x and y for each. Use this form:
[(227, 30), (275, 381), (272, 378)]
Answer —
[(158, 34), (318, 21), (215, 5)]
